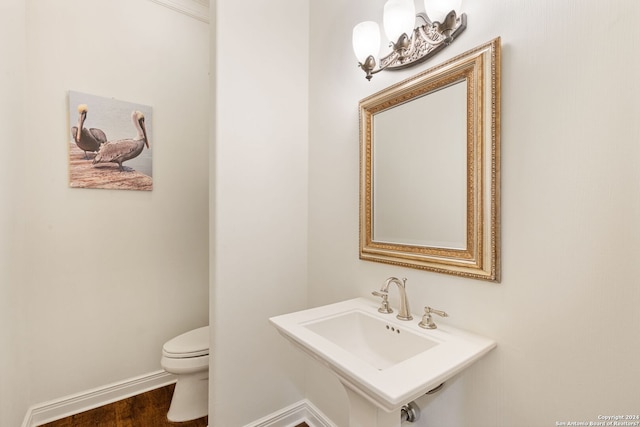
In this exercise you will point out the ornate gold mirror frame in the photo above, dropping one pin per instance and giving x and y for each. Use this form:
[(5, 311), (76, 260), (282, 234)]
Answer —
[(478, 256)]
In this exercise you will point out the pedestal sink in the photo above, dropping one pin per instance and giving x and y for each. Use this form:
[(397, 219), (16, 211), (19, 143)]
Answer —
[(382, 362)]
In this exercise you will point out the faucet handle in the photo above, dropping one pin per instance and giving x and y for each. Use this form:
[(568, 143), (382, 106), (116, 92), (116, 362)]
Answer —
[(427, 321), (384, 307)]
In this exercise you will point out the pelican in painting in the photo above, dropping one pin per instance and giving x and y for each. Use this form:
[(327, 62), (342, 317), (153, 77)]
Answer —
[(124, 149), (87, 139)]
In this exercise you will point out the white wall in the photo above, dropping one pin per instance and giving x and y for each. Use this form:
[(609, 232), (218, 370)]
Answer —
[(285, 171), (12, 399), (566, 313), (102, 278), (259, 234)]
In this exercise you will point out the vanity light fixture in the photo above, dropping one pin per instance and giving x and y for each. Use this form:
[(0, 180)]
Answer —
[(410, 45)]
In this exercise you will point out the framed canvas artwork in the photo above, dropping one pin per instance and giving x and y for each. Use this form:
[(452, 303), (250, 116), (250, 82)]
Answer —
[(110, 143)]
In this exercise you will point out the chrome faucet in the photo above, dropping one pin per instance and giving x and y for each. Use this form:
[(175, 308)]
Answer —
[(405, 312)]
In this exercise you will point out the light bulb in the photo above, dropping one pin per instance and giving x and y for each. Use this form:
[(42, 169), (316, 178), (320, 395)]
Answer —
[(366, 40), (437, 10), (399, 18)]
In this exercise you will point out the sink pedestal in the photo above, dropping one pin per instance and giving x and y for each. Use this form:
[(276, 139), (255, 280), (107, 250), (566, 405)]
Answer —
[(363, 413)]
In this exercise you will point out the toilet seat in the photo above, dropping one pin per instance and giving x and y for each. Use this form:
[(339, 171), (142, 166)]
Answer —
[(194, 343)]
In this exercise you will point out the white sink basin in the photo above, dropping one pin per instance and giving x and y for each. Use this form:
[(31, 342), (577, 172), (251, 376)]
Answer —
[(372, 339), (387, 361)]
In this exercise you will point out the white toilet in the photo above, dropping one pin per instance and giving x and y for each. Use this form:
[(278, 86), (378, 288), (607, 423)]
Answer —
[(187, 357)]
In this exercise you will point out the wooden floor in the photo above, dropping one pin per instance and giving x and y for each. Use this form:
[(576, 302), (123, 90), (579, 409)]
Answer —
[(145, 410)]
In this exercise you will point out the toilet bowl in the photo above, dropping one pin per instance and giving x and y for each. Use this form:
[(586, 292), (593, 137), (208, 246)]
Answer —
[(187, 357)]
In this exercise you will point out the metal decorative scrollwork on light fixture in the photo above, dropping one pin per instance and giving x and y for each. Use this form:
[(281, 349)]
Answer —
[(412, 44)]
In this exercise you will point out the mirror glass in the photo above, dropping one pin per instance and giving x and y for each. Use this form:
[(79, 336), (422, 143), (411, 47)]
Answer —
[(427, 153), (430, 168)]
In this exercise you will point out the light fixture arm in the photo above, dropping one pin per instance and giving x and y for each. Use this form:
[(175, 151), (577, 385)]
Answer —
[(424, 41), (424, 17), (369, 66), (402, 47)]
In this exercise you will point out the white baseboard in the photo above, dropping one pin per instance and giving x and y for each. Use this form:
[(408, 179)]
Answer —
[(53, 410), (294, 415), (43, 413)]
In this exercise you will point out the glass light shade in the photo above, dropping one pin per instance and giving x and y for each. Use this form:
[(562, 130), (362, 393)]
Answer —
[(366, 40), (437, 9), (399, 18)]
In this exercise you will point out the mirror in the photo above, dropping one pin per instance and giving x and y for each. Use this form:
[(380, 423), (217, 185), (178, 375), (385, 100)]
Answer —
[(430, 168)]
